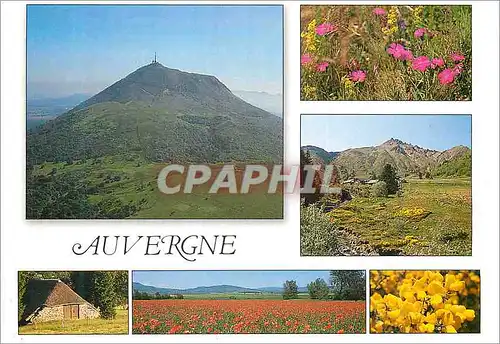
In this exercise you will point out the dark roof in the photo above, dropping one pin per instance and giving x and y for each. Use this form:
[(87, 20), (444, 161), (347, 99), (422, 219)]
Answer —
[(49, 293)]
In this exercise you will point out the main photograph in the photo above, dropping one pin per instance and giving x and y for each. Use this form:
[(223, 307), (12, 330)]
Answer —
[(152, 111), (386, 185)]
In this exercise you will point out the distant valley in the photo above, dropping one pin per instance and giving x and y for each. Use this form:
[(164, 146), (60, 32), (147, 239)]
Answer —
[(41, 110), (266, 101)]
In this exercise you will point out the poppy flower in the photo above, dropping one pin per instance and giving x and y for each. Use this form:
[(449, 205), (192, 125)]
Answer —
[(421, 63), (358, 75), (325, 28)]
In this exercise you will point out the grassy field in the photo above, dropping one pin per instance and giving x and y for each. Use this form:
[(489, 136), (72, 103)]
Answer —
[(119, 325), (386, 52), (130, 180), (432, 217)]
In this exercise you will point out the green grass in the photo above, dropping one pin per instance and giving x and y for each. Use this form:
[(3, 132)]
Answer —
[(119, 325), (432, 217), (137, 185)]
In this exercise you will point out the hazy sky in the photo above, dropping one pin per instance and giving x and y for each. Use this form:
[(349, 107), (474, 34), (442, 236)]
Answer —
[(248, 279), (84, 48), (340, 132)]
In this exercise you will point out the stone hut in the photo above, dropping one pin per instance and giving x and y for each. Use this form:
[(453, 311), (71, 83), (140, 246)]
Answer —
[(51, 299)]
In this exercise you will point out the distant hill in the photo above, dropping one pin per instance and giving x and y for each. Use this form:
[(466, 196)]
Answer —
[(216, 289), (319, 154), (405, 157), (198, 290), (166, 115), (269, 102)]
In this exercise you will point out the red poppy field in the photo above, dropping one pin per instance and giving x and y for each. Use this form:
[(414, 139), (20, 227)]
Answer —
[(247, 316)]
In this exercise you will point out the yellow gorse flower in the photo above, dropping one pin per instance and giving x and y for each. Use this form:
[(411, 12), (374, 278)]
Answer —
[(420, 301)]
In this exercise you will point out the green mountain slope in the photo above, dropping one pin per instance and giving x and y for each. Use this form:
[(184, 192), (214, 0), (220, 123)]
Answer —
[(166, 116), (460, 166), (110, 149)]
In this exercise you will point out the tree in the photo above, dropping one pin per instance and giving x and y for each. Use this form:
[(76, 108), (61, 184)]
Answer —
[(23, 278), (390, 178), (102, 293), (373, 175), (290, 290), (121, 287), (318, 289), (305, 159), (348, 284)]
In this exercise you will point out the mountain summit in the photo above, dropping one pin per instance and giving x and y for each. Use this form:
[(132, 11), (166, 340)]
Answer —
[(159, 86), (405, 157), (163, 115)]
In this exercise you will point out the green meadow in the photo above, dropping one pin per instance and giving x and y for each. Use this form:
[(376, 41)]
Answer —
[(118, 325), (126, 187), (430, 217)]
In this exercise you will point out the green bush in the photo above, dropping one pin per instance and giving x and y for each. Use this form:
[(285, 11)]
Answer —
[(317, 233), (379, 189)]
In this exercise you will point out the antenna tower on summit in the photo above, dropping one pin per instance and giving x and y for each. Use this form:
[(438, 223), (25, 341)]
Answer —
[(154, 61)]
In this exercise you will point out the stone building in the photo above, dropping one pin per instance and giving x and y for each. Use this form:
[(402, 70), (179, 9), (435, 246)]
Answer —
[(51, 299)]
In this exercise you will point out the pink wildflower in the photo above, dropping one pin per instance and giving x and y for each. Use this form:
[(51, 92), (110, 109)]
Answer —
[(399, 52), (457, 57), (437, 62), (321, 67), (421, 63), (306, 59), (358, 75), (325, 28), (420, 32), (458, 68), (379, 11), (446, 76)]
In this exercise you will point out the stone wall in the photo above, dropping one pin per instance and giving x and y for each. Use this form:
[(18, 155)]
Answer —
[(86, 311), (49, 314)]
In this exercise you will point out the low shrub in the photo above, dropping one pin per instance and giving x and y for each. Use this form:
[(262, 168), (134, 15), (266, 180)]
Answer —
[(379, 189)]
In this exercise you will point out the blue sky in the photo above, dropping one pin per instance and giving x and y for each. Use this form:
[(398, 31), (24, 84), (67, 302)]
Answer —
[(340, 132), (248, 279), (81, 49)]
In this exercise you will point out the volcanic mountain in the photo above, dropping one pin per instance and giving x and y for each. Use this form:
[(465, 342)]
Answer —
[(163, 115), (405, 157)]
